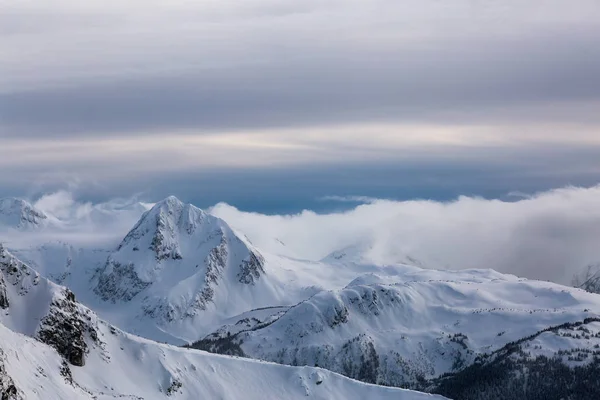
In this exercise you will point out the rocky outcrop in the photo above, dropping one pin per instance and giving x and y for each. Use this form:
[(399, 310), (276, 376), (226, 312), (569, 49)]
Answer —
[(66, 328), (4, 303), (66, 325), (16, 274), (252, 268), (119, 281)]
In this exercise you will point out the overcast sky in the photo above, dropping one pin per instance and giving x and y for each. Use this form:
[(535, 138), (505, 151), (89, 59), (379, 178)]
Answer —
[(273, 105)]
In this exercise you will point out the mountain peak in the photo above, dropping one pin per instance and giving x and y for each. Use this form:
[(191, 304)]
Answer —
[(169, 202), (164, 223), (184, 260), (18, 213)]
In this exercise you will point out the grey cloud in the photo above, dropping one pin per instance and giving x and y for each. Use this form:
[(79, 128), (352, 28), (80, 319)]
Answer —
[(263, 80)]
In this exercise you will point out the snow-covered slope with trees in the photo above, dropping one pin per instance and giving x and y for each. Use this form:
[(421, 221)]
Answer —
[(409, 330), (52, 347), (182, 275)]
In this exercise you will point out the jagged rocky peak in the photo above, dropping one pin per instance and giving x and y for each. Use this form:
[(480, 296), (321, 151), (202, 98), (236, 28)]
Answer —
[(18, 213), (159, 229), (182, 258)]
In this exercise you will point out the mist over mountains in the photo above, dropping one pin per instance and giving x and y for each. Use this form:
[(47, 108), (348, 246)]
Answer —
[(550, 236), (361, 293)]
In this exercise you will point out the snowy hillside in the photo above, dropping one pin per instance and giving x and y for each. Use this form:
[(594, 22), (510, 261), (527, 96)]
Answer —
[(76, 355), (19, 214), (132, 368), (409, 330)]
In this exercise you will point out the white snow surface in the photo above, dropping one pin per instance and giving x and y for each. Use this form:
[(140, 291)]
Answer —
[(420, 323), (182, 274), (119, 365), (133, 368)]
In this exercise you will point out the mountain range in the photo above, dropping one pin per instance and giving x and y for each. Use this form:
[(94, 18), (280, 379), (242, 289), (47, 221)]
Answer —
[(182, 283)]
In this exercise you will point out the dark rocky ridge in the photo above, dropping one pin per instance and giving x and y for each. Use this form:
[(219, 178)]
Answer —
[(66, 328), (67, 324)]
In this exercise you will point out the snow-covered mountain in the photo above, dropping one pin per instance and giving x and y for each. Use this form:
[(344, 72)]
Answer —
[(153, 251), (182, 274), (19, 214), (179, 269), (52, 347), (409, 331)]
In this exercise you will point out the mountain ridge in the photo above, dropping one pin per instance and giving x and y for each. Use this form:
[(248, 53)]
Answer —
[(19, 214), (64, 351)]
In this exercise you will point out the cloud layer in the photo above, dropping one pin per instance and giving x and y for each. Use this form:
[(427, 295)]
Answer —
[(549, 236), (77, 223), (112, 91)]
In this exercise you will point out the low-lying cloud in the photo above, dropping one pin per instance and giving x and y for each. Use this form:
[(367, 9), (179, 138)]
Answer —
[(551, 235), (548, 236), (77, 223)]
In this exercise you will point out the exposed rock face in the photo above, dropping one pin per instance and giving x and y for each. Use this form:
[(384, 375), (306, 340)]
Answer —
[(4, 303), (160, 226), (252, 268), (66, 325), (16, 274), (66, 328), (414, 332), (119, 282)]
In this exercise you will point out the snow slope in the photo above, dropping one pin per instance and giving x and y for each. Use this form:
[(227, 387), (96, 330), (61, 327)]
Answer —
[(133, 368), (400, 330), (64, 263), (76, 355)]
